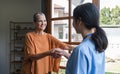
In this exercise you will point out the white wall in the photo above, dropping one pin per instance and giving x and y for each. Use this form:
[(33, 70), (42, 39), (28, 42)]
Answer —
[(13, 10)]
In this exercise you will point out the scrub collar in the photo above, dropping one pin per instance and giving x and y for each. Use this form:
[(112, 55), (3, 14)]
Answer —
[(88, 36)]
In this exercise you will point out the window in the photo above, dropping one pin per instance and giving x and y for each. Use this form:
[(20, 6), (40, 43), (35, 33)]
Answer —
[(61, 20)]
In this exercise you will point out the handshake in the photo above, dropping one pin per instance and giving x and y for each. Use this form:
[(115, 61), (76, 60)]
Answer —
[(57, 53)]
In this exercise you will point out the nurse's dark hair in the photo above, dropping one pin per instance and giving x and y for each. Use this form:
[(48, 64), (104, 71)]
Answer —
[(89, 15), (35, 16)]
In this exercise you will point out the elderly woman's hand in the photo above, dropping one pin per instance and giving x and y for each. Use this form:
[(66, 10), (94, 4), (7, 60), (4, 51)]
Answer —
[(56, 52)]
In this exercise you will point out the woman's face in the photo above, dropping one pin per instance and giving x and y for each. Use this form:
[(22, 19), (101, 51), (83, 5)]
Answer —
[(41, 22), (77, 25)]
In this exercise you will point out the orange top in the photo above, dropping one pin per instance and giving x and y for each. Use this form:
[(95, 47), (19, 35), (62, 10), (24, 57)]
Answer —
[(36, 44)]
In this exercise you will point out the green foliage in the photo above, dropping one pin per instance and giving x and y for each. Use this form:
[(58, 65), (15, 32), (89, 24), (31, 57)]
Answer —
[(110, 16)]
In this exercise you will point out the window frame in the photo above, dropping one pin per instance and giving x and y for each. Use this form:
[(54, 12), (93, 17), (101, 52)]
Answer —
[(48, 5)]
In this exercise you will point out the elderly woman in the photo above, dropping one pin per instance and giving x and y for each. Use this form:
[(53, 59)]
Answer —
[(38, 45)]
